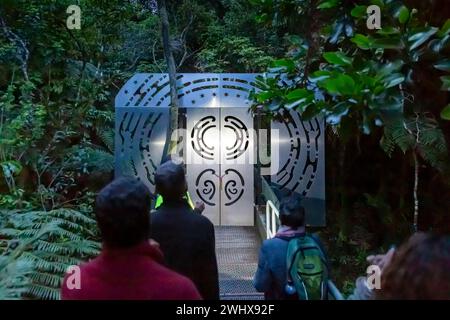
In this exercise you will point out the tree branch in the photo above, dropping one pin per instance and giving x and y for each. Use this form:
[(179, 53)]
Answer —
[(24, 53)]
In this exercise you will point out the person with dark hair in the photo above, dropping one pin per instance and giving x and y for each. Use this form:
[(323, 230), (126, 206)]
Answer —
[(418, 270), (130, 265), (187, 239), (279, 257), (199, 206)]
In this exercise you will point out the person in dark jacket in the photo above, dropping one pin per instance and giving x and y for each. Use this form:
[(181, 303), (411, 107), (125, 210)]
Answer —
[(271, 274), (130, 266), (187, 239)]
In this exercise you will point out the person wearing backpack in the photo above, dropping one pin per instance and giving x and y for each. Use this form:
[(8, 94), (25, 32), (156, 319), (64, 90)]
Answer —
[(293, 264)]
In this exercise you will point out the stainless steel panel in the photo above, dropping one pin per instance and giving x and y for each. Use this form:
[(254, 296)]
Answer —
[(139, 142), (203, 159), (237, 151), (219, 152), (199, 90), (302, 162)]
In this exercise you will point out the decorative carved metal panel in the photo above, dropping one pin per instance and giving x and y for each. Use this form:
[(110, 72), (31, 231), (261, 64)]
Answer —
[(205, 90), (302, 162), (219, 163), (139, 141), (217, 102)]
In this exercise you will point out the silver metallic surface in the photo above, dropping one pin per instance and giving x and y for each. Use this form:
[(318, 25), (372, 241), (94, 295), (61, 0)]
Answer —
[(302, 162), (237, 251), (139, 142), (219, 163), (142, 121)]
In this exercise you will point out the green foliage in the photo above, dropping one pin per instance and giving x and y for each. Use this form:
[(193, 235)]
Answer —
[(38, 246), (365, 78), (236, 54)]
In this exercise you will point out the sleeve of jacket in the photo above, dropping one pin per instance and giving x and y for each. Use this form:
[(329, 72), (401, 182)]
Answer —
[(263, 277), (209, 275)]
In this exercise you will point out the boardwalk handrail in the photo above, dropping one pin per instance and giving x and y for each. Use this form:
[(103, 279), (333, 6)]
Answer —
[(334, 292), (272, 219), (272, 215)]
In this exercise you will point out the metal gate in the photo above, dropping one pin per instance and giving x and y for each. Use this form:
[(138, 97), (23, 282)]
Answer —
[(219, 158)]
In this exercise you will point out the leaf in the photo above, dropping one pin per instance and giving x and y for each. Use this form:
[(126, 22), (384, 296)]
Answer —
[(328, 4), (419, 38), (338, 111), (387, 31), (388, 43), (394, 80), (445, 30), (338, 27), (337, 58), (343, 85), (288, 64), (403, 15), (359, 11), (445, 113), (443, 65), (319, 76), (445, 83), (264, 96), (297, 94), (362, 41), (11, 168)]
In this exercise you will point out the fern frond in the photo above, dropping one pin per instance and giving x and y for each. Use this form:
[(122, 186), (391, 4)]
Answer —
[(43, 292), (46, 244), (107, 137)]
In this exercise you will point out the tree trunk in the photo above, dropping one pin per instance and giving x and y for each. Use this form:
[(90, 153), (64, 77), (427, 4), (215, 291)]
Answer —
[(168, 55), (416, 186)]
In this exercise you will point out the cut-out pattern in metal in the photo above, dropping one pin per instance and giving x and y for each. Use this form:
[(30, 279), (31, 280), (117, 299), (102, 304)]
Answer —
[(206, 90), (205, 186), (198, 133), (234, 187), (301, 147), (138, 137), (241, 142), (221, 135)]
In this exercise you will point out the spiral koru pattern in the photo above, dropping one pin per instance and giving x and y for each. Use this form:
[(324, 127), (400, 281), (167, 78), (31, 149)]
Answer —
[(205, 186), (234, 187)]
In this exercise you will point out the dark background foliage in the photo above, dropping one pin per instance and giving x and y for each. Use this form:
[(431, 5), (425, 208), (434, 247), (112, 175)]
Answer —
[(57, 88)]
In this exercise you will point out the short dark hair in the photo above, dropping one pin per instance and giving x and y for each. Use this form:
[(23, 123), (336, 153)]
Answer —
[(170, 181), (292, 213), (123, 212)]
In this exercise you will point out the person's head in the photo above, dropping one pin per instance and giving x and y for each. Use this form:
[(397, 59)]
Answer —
[(419, 269), (123, 212), (174, 158), (292, 213), (170, 181)]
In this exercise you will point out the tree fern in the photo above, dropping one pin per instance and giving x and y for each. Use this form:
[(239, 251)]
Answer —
[(49, 242), (421, 133)]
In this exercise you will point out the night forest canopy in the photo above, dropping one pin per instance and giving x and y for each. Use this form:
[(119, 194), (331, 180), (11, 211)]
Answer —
[(384, 93)]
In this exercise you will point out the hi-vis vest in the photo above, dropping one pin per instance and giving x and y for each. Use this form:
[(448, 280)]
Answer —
[(187, 197)]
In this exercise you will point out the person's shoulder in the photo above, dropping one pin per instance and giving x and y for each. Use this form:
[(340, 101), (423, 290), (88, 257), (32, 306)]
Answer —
[(75, 279), (273, 242), (200, 219), (180, 286)]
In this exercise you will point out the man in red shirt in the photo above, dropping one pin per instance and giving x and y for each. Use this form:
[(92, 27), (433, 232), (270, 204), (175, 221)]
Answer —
[(130, 266)]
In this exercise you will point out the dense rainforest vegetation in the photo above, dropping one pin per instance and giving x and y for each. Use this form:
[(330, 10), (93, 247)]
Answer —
[(384, 94)]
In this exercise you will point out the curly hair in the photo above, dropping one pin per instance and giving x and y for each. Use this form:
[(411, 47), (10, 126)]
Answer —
[(419, 270)]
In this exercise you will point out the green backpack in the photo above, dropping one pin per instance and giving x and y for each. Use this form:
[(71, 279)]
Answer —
[(307, 272)]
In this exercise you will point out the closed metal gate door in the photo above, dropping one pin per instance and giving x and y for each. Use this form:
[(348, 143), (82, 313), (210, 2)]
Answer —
[(219, 158)]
